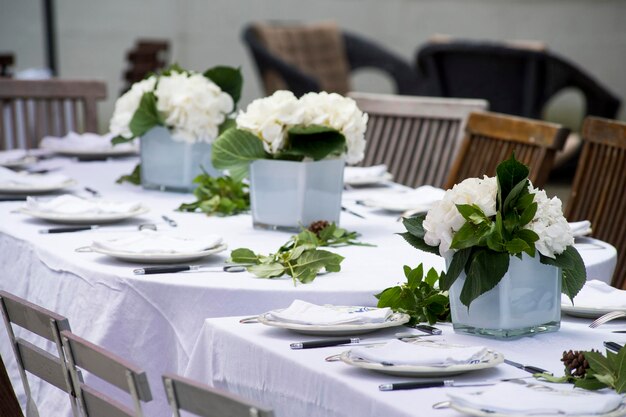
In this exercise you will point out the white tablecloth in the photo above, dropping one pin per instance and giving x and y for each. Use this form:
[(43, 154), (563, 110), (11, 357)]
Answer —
[(154, 320), (255, 361)]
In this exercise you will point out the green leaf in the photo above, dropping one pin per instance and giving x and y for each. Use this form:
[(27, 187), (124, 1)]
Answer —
[(432, 277), (524, 201), (573, 267), (472, 213), (485, 271), (620, 366), (228, 79), (118, 140), (243, 256), (516, 192), (589, 384), (146, 116), (316, 142), (228, 124), (219, 195), (459, 260), (414, 225), (470, 235), (516, 245), (598, 363), (415, 277), (133, 178), (418, 243), (528, 214), (407, 270), (269, 270), (234, 150), (313, 261), (510, 174), (552, 378)]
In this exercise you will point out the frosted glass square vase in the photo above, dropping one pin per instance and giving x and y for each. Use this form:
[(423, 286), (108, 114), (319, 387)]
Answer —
[(285, 195), (525, 302), (170, 165)]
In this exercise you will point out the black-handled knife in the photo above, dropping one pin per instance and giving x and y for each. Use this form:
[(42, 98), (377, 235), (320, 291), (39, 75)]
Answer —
[(397, 386), (148, 270), (528, 368), (615, 347), (12, 198), (68, 229), (311, 344)]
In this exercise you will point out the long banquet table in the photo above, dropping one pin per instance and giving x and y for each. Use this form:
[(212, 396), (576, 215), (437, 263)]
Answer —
[(255, 361), (155, 320)]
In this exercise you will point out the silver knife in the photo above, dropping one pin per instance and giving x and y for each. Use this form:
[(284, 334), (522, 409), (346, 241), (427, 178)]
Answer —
[(148, 270), (397, 386), (528, 368)]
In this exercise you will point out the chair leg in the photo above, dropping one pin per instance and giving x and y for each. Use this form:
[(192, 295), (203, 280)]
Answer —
[(8, 401)]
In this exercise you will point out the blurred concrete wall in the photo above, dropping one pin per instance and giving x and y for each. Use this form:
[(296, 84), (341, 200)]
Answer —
[(93, 35)]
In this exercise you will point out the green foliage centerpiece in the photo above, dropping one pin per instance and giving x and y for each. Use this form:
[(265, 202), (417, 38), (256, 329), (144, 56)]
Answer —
[(509, 252), (293, 150), (177, 114)]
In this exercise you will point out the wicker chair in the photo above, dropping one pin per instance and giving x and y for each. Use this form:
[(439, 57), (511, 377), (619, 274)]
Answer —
[(319, 57)]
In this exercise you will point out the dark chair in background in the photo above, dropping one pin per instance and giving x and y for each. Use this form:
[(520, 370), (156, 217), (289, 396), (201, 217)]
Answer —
[(30, 110), (319, 57), (8, 400), (148, 55), (515, 79), (599, 194), (416, 137), (491, 138), (7, 61)]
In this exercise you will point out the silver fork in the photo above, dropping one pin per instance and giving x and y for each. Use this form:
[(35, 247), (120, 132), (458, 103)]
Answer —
[(606, 318)]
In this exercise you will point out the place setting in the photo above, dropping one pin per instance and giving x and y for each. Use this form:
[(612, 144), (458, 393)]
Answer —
[(594, 300), (405, 202), (371, 176), (20, 183), (88, 146)]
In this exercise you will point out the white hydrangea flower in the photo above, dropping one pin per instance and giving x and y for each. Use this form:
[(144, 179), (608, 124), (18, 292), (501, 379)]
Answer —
[(193, 106), (126, 105), (340, 113), (269, 118), (444, 220), (554, 232)]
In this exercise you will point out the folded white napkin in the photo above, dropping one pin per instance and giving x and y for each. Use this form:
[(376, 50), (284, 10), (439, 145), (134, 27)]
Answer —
[(520, 399), (12, 156), (401, 353), (302, 312), (356, 174), (581, 228), (421, 198), (598, 294), (21, 179), (70, 204), (150, 241), (84, 142)]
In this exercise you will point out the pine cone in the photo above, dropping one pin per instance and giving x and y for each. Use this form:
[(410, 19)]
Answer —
[(318, 226), (575, 363)]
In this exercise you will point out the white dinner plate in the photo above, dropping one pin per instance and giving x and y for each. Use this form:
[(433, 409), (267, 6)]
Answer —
[(155, 258), (492, 358), (374, 180), (85, 218), (22, 162), (587, 312), (396, 319), (618, 412), (30, 189)]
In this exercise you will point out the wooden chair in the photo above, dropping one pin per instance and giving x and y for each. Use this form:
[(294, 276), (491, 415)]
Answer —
[(599, 193), (32, 109), (319, 57), (202, 400), (416, 137), (148, 55), (33, 359), (82, 354), (491, 138), (8, 401)]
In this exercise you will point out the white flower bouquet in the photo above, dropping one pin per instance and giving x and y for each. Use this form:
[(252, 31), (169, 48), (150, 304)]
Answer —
[(193, 106), (480, 223), (315, 127)]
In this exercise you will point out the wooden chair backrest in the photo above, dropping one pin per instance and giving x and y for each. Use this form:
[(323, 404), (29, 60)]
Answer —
[(29, 357), (32, 109), (317, 49), (109, 367), (188, 395), (8, 401), (416, 137), (599, 193), (490, 138)]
